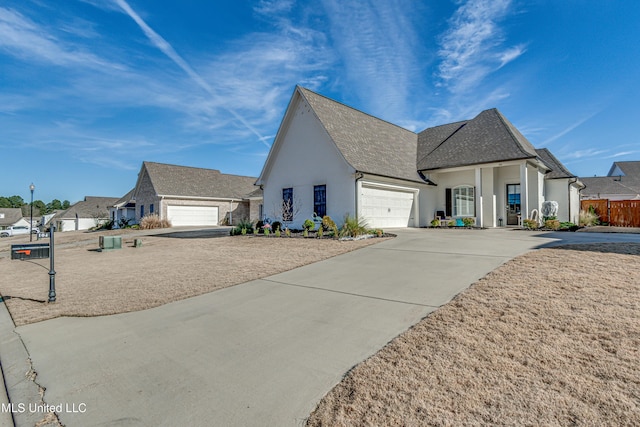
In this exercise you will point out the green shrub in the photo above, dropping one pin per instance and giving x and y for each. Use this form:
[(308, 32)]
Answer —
[(309, 225), (320, 231), (353, 227), (451, 223), (305, 233), (276, 225), (530, 224), (435, 222), (468, 221), (243, 224)]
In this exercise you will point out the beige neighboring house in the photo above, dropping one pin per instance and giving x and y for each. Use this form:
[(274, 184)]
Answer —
[(84, 215), (189, 196), (12, 217)]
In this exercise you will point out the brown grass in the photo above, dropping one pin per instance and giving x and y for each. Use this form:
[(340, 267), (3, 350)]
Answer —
[(550, 338), (91, 283)]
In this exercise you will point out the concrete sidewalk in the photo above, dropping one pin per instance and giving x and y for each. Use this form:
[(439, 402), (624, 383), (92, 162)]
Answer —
[(264, 352)]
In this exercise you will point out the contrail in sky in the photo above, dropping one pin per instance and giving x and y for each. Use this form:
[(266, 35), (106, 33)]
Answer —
[(168, 50)]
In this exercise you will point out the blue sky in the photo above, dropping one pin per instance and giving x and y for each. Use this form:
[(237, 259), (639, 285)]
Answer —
[(89, 89)]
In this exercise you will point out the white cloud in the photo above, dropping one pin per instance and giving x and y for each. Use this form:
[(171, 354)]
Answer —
[(569, 128), (378, 47), (471, 48), (24, 39)]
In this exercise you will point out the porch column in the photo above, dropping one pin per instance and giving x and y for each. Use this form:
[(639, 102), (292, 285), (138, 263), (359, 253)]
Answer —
[(478, 196), (524, 191), (488, 197)]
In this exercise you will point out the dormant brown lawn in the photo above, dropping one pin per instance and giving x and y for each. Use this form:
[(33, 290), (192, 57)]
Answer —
[(91, 283), (550, 338)]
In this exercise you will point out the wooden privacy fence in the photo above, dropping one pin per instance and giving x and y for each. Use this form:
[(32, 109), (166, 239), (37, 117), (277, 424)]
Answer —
[(619, 213)]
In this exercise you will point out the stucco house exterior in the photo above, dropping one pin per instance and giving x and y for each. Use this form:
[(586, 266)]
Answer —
[(84, 215), (123, 209), (621, 183), (329, 158), (189, 196)]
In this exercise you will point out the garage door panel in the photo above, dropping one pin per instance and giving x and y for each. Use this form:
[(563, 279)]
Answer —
[(192, 215), (386, 207)]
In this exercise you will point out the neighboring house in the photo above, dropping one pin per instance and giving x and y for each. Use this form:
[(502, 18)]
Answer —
[(328, 158), (621, 183), (195, 196), (12, 217), (123, 209), (84, 215)]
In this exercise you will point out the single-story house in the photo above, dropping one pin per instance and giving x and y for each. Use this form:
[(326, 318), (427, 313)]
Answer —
[(329, 158), (85, 214), (11, 217), (189, 196), (621, 183), (123, 209)]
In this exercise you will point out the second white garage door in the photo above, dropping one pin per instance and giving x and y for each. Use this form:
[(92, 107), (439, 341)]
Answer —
[(386, 208), (192, 215)]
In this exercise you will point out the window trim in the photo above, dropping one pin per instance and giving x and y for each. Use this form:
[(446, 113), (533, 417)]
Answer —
[(470, 210), (320, 189)]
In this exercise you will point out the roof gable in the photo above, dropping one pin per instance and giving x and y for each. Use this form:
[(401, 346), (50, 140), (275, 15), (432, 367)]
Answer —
[(186, 181), (368, 144), (630, 169), (487, 138)]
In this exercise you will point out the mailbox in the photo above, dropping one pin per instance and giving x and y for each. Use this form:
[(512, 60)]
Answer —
[(30, 251)]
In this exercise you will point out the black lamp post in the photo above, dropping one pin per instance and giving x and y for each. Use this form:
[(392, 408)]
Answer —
[(31, 187)]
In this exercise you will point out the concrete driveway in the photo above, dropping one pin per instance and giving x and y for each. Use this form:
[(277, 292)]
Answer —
[(264, 352)]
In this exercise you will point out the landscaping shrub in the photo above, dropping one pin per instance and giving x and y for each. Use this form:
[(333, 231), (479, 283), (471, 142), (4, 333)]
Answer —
[(530, 224), (353, 227), (552, 224), (309, 225), (152, 221), (468, 222), (244, 226), (330, 225), (276, 225), (588, 218), (435, 222)]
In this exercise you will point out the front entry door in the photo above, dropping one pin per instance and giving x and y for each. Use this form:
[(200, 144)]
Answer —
[(513, 203)]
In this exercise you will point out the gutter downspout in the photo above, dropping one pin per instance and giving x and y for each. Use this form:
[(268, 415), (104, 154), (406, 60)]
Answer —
[(359, 176)]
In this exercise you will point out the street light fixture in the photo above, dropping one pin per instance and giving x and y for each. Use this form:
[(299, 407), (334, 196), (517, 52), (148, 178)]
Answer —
[(31, 187)]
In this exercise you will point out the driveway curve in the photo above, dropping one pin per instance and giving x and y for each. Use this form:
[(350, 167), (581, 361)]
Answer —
[(264, 352)]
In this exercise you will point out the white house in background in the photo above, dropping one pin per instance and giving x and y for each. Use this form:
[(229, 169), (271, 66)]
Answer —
[(123, 209), (84, 215), (621, 183), (10, 217), (189, 196), (329, 158)]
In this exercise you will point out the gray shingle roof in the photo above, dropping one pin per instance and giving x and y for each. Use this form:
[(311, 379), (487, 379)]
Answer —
[(174, 180), (558, 170), (487, 138), (125, 200), (630, 169), (90, 207), (600, 186), (11, 216), (368, 144)]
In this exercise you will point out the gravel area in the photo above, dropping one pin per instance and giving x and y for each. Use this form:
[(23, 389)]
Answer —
[(550, 338), (164, 269)]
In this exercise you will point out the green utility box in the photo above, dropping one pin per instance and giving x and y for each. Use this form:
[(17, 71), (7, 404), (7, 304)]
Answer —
[(109, 243)]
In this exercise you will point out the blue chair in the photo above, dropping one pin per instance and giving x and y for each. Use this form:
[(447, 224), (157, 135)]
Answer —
[(459, 222)]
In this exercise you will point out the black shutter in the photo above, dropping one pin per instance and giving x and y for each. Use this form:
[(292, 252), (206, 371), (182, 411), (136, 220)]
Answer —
[(447, 209)]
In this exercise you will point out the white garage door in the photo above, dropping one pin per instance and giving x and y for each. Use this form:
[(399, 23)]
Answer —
[(192, 215), (386, 208)]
